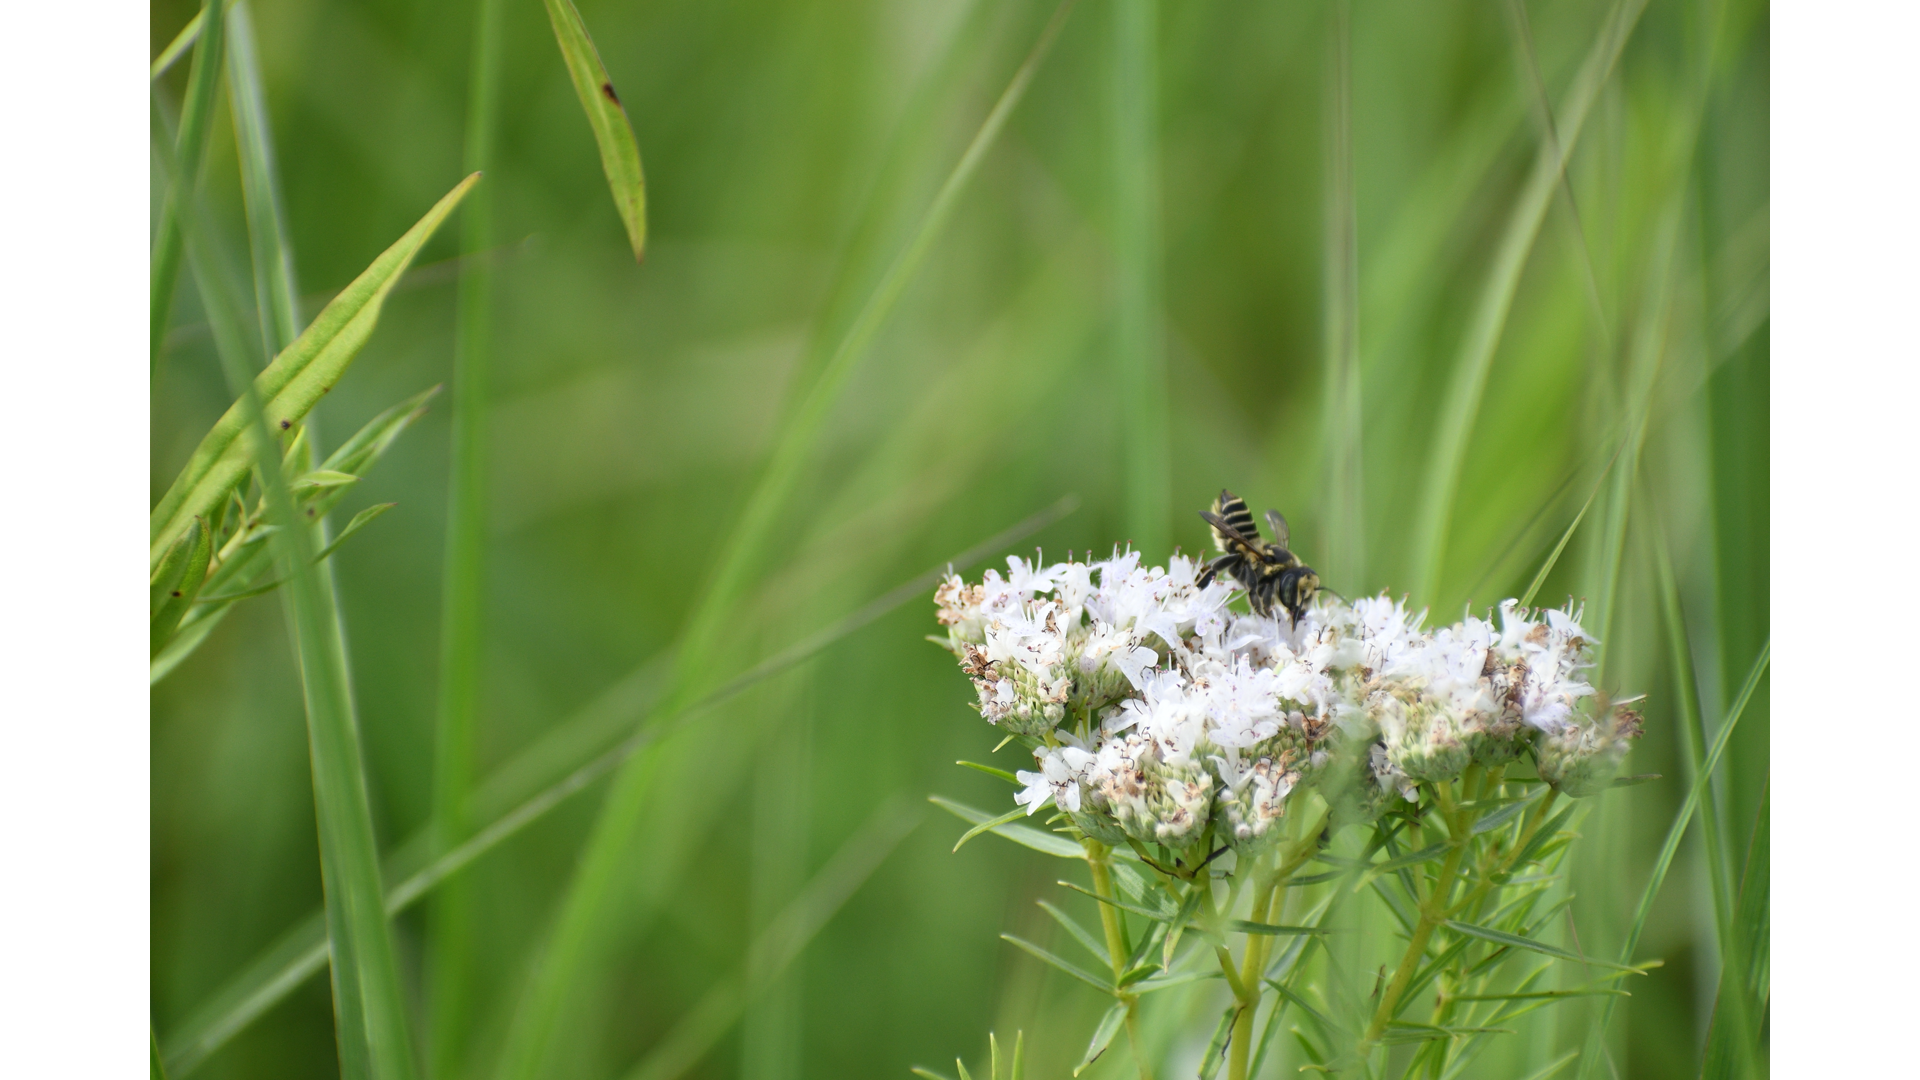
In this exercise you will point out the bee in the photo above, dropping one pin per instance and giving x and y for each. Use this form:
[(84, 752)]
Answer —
[(1269, 572)]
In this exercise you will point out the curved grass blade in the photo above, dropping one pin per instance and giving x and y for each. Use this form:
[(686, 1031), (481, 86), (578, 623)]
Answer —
[(293, 382), (523, 791), (360, 521), (1080, 933), (1664, 860), (1461, 405), (176, 583), (1751, 924), (275, 293), (178, 47), (584, 901), (369, 1008), (189, 148), (619, 153), (776, 947)]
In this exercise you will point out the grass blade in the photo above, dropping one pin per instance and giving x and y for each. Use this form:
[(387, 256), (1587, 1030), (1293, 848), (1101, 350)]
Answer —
[(780, 943), (1272, 930), (1751, 925), (450, 946), (1216, 1051), (178, 47), (619, 153), (196, 120), (1080, 933), (1140, 348), (276, 293), (360, 521), (1664, 860), (1342, 410), (1462, 402), (177, 581), (584, 901), (523, 791), (293, 382), (368, 1004)]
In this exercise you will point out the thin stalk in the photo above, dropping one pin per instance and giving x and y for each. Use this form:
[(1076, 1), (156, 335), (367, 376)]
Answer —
[(614, 832), (1140, 326), (1462, 403), (1346, 548), (275, 290), (450, 931), (1434, 907), (369, 1007), (1116, 939), (196, 117)]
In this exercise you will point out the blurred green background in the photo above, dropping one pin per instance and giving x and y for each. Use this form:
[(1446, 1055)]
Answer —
[(790, 148)]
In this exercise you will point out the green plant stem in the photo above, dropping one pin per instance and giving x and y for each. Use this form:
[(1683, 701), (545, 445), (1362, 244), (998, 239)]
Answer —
[(196, 119), (1433, 910), (369, 1006), (1101, 869), (450, 930), (1140, 326)]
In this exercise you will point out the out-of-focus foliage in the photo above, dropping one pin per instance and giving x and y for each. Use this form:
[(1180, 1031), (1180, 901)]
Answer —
[(789, 149)]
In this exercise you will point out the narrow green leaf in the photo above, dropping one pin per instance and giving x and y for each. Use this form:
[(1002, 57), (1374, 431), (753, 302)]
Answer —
[(1752, 921), (1634, 781), (1179, 978), (1048, 843), (244, 594), (377, 435), (1082, 935), (1216, 1051), (1166, 914), (1424, 855), (1067, 966), (1501, 937), (928, 1074), (993, 1056), (1539, 994), (276, 296), (962, 1067), (360, 521), (1102, 1036), (991, 771), (1498, 818), (1551, 1067), (1461, 405), (619, 153), (293, 382), (320, 479), (183, 172), (176, 582), (178, 47), (1182, 918), (1271, 930), (1019, 1071), (1328, 1029), (1540, 837)]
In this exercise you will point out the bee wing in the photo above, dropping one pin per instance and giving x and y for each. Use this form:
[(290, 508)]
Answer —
[(1279, 526), (1229, 539)]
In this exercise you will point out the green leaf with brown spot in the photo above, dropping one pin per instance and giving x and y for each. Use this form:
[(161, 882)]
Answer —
[(619, 152)]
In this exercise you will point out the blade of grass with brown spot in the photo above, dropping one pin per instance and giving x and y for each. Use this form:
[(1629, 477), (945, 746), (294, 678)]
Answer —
[(619, 152)]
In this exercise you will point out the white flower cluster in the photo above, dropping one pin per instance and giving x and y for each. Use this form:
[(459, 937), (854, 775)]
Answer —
[(1157, 713)]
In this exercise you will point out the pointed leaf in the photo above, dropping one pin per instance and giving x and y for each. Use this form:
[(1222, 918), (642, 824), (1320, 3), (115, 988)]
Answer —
[(291, 385), (619, 152), (177, 581), (1080, 933), (1271, 930), (320, 479), (991, 771), (1163, 915), (928, 1074), (1103, 1035), (1058, 846), (360, 521), (1067, 966), (1216, 1050), (1012, 815), (962, 1066), (1498, 818), (1501, 937)]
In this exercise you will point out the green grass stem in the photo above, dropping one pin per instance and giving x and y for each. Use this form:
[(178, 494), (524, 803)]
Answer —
[(1346, 535), (1461, 404), (775, 948), (583, 902), (1696, 791), (275, 288), (1140, 331), (183, 176), (450, 945), (369, 1006), (528, 787)]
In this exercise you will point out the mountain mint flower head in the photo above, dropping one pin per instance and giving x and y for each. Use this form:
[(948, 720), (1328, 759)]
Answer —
[(1156, 713)]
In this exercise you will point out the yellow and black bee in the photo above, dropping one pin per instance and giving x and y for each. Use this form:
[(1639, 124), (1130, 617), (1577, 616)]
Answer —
[(1269, 572)]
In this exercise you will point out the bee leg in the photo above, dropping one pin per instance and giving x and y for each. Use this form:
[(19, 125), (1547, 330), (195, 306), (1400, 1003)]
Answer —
[(1222, 563)]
